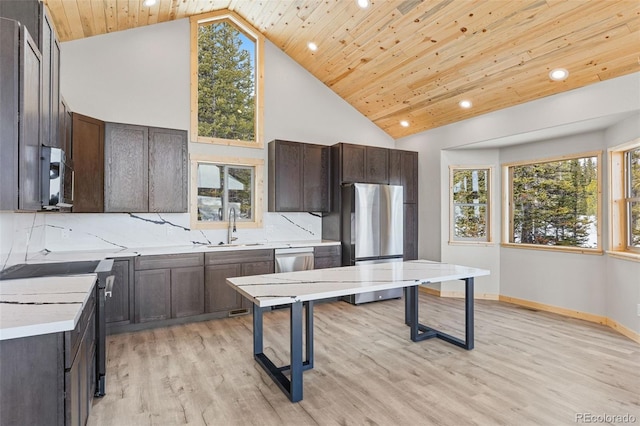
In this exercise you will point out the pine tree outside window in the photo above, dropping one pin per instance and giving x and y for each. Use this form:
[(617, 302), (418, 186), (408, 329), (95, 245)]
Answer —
[(555, 203), (226, 80), (470, 192)]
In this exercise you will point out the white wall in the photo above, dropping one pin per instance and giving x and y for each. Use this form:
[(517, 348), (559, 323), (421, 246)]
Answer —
[(623, 276), (593, 284), (142, 76)]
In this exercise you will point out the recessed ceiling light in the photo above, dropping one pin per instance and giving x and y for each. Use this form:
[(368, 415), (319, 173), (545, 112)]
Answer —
[(558, 74), (149, 3), (465, 104), (312, 46), (363, 4), (404, 123)]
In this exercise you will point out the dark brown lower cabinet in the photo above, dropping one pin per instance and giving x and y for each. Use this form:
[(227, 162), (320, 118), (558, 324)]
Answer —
[(153, 295), (327, 257), (116, 305), (187, 291), (49, 379), (219, 296)]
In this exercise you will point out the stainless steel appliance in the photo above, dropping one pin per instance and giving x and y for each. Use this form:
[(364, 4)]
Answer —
[(103, 289), (372, 230), (57, 179), (294, 259)]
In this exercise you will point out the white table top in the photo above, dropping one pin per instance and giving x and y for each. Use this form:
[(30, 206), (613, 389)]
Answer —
[(289, 287), (35, 306)]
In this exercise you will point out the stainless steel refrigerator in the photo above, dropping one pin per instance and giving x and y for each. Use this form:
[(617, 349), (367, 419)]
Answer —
[(372, 230)]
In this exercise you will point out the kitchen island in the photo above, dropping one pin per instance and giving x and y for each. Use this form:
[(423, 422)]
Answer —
[(301, 289), (47, 349)]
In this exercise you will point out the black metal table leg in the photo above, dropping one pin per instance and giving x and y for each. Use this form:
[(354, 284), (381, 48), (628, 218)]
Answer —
[(292, 385), (421, 332)]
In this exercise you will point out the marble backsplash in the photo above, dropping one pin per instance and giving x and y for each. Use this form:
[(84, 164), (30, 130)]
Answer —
[(25, 234)]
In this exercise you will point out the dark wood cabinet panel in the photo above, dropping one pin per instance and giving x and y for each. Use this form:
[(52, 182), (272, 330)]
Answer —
[(9, 101), (316, 171), (117, 306), (126, 173), (88, 162), (187, 291), (168, 170), (403, 170), (55, 139), (152, 295), (45, 50), (238, 256), (219, 296), (285, 176), (410, 231), (327, 262), (28, 12), (162, 261), (377, 165), (298, 177), (353, 163), (30, 137)]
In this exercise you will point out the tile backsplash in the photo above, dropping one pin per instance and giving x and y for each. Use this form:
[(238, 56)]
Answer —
[(24, 234)]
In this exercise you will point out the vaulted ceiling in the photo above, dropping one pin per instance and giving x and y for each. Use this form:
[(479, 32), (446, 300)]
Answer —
[(414, 60)]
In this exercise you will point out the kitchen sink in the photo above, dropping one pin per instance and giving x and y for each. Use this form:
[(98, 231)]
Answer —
[(236, 245)]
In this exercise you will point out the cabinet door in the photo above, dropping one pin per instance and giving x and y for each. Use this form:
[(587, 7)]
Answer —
[(45, 51), (285, 176), (9, 90), (126, 169), (167, 170), (30, 136), (28, 13), (219, 296), (55, 139), (117, 306), (410, 231), (377, 169), (327, 262), (88, 163), (152, 295), (410, 176), (353, 163), (187, 291), (316, 178), (395, 167)]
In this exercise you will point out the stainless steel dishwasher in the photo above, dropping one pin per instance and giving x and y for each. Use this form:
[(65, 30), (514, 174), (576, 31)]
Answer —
[(294, 259)]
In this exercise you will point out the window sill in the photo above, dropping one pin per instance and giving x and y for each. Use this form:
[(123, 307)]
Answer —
[(624, 255), (472, 243), (574, 250)]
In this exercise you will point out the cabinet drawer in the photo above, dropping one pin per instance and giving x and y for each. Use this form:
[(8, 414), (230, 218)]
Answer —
[(73, 338), (322, 251), (167, 261), (239, 256)]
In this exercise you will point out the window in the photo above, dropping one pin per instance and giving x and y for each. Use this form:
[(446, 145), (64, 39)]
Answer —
[(554, 203), (469, 204), (625, 199), (222, 184), (226, 80), (632, 197)]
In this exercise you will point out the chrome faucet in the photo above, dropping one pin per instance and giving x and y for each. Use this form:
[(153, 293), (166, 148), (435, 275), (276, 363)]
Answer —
[(231, 228)]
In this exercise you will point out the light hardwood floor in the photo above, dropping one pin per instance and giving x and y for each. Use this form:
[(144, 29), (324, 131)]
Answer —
[(528, 368)]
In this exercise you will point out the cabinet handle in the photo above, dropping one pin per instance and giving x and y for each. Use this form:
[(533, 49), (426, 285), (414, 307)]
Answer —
[(108, 288)]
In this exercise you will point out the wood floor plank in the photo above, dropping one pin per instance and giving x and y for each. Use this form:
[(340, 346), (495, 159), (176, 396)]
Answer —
[(527, 368)]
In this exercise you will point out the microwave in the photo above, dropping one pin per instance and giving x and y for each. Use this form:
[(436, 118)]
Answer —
[(57, 179)]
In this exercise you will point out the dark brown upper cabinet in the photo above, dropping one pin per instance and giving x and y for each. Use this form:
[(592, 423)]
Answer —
[(87, 140), (20, 118), (403, 170), (145, 169), (298, 177), (364, 164)]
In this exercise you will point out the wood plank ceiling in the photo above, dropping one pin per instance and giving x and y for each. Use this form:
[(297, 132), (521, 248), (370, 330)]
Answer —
[(414, 60)]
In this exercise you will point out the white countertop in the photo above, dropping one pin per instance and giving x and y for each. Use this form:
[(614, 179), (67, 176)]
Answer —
[(67, 256), (35, 306), (289, 287)]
